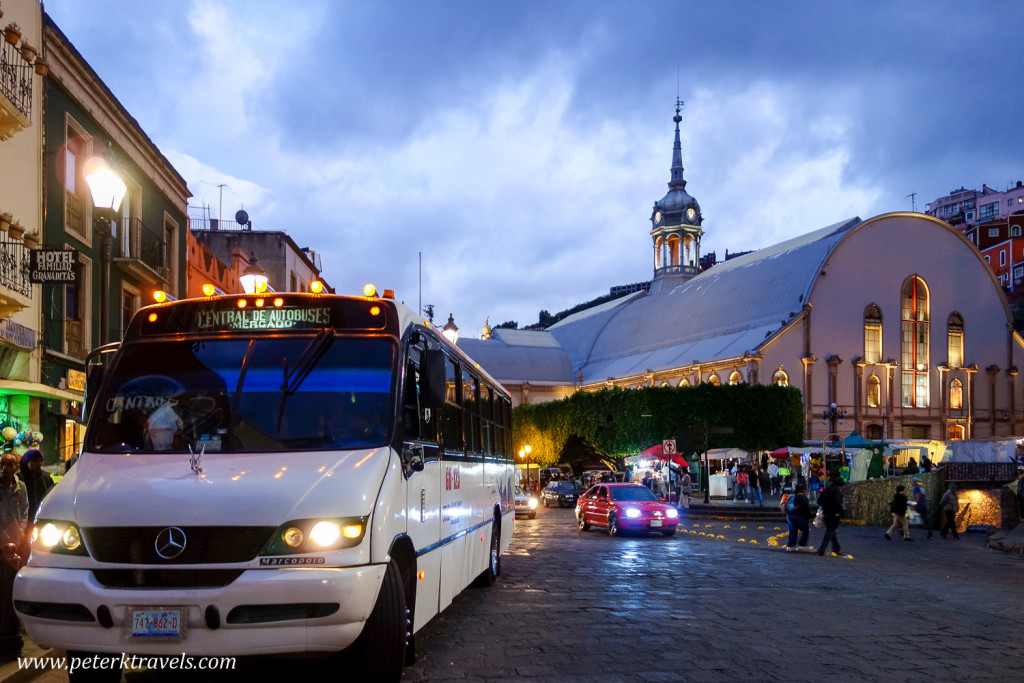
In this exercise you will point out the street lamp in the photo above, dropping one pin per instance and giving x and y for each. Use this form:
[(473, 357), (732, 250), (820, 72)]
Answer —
[(832, 414), (524, 453), (107, 190), (253, 279), (451, 332)]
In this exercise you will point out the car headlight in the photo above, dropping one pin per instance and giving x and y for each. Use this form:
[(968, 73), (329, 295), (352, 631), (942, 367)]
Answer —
[(316, 535), (533, 503), (671, 513), (632, 513), (58, 537)]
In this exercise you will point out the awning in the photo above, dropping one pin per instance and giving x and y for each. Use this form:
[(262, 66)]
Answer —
[(656, 451), (12, 387)]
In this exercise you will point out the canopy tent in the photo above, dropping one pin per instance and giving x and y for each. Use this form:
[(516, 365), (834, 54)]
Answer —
[(787, 451), (656, 452), (727, 454)]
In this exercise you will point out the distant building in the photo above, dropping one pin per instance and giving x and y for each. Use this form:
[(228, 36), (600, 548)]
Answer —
[(964, 209), (911, 343)]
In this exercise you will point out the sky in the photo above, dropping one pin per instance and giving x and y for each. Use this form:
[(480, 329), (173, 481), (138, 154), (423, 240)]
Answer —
[(517, 148)]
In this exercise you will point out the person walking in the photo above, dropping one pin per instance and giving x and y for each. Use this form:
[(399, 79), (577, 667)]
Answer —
[(921, 504), (754, 484), (13, 521), (898, 508), (773, 477), (741, 483), (798, 514), (949, 506), (831, 504), (35, 479), (783, 475), (685, 484)]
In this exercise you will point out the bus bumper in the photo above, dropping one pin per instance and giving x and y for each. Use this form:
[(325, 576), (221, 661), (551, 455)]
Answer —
[(263, 611)]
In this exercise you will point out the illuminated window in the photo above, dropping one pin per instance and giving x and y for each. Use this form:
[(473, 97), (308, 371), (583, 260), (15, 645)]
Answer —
[(955, 341), (874, 391), (713, 379), (872, 334), (956, 395), (956, 432), (735, 377), (684, 382), (915, 334), (780, 378)]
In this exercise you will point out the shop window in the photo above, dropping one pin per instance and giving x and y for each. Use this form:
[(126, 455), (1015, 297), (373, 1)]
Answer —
[(735, 377), (874, 391), (956, 395), (872, 334), (780, 378), (915, 338), (955, 340)]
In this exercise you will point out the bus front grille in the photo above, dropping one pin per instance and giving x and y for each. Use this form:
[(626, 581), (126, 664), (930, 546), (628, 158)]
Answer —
[(166, 578), (200, 545)]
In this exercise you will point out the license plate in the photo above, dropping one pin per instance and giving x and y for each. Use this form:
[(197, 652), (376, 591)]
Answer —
[(156, 624), (655, 522)]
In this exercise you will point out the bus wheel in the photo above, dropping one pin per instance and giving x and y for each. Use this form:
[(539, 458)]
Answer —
[(490, 575), (99, 675), (380, 649)]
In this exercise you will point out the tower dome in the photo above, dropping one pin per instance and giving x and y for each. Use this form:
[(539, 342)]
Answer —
[(676, 223)]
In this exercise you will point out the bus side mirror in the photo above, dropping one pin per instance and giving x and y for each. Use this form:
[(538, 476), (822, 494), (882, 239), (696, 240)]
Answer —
[(435, 379)]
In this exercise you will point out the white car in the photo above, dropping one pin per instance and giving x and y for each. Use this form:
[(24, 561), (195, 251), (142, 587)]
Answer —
[(526, 503)]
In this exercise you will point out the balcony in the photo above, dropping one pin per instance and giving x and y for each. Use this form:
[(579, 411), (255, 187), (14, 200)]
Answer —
[(692, 271), (141, 251), (15, 289), (15, 91)]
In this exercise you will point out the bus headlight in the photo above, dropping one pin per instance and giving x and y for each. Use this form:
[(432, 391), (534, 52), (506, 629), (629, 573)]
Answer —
[(58, 537), (316, 535)]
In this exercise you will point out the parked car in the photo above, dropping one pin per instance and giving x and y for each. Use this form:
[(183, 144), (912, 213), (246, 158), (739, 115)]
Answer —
[(625, 507), (526, 503), (560, 493)]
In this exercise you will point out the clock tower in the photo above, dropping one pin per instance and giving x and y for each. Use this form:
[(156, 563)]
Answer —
[(676, 221)]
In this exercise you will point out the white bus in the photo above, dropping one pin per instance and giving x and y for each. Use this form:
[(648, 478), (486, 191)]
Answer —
[(273, 474)]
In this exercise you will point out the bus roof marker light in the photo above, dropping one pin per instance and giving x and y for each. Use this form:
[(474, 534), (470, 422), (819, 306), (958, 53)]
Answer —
[(278, 302), (159, 296), (316, 286), (242, 303), (259, 303), (369, 290), (209, 290), (388, 294)]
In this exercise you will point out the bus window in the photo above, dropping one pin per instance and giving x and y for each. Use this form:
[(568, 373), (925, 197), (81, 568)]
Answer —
[(470, 420), (451, 417)]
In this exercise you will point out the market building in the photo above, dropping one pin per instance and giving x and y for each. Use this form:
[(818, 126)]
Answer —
[(906, 342)]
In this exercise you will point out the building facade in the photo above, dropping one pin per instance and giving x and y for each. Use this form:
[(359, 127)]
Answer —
[(120, 258), (910, 343)]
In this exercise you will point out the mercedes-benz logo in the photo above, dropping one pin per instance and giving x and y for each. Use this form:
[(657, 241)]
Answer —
[(170, 543)]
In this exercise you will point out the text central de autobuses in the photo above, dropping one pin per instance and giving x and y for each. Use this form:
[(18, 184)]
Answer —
[(262, 318)]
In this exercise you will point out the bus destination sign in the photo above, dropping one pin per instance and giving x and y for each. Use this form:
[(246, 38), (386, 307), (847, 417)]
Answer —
[(215, 320)]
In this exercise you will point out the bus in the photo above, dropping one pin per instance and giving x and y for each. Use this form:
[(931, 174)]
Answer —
[(273, 473)]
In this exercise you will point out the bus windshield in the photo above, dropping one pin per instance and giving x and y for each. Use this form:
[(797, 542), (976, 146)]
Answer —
[(247, 395)]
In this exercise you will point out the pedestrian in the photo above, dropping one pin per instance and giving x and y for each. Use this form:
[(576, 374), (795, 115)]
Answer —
[(36, 481), (831, 504), (1020, 492), (773, 477), (898, 508), (911, 467), (921, 504), (741, 483), (926, 464), (13, 521), (950, 506), (798, 515), (685, 484), (754, 484), (783, 476)]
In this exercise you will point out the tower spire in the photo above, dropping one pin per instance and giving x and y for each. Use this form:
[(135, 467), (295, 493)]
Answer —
[(677, 152)]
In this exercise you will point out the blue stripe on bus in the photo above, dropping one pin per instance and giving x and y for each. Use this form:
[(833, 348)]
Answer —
[(445, 541)]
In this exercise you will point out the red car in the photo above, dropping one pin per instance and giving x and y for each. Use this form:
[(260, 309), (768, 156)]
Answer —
[(625, 507)]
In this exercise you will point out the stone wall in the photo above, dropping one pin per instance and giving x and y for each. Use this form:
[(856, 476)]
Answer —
[(871, 497)]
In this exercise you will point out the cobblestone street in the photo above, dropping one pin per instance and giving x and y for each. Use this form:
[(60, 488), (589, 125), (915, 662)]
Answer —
[(585, 606)]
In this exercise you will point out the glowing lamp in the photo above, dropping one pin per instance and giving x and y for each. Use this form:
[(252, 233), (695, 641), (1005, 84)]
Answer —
[(209, 290), (252, 275), (369, 290), (106, 188), (450, 330), (316, 286)]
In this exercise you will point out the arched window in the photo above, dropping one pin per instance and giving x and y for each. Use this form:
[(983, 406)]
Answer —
[(665, 383), (684, 382), (735, 377), (874, 391), (872, 334), (873, 432), (956, 432), (955, 340), (1015, 231), (956, 395), (780, 377), (713, 379), (915, 332), (659, 245)]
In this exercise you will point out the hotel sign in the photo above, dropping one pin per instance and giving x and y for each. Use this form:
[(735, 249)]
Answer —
[(52, 265), (17, 335)]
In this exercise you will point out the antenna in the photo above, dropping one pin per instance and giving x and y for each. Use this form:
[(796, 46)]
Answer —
[(220, 209), (913, 201)]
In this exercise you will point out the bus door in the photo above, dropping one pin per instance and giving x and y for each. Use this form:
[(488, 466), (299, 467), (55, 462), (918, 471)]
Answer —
[(420, 422)]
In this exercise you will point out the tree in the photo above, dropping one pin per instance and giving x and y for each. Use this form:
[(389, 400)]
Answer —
[(507, 325)]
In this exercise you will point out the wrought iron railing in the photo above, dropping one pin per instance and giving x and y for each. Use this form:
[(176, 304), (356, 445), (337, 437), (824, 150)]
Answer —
[(14, 265), (677, 270), (16, 79), (143, 243)]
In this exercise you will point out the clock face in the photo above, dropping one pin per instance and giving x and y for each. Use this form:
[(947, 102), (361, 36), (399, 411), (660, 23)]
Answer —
[(657, 217), (691, 213)]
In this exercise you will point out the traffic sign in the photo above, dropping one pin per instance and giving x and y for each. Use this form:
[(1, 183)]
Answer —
[(668, 446)]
